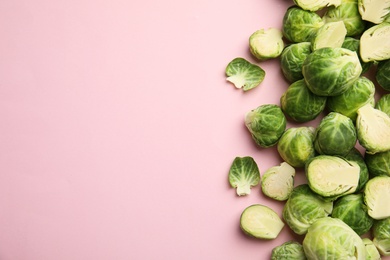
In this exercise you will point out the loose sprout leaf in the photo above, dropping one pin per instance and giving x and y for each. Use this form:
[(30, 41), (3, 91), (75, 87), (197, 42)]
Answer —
[(244, 174), (244, 74)]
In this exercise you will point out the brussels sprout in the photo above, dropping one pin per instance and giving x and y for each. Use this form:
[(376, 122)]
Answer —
[(300, 25), (372, 252), (292, 58), (244, 74), (378, 163), (381, 236), (377, 197), (316, 4), (243, 175), (352, 210), (331, 34), (375, 11), (266, 44), (360, 93), (332, 176), (290, 250), (278, 181), (331, 238), (375, 43), (300, 104), (266, 124), (296, 145), (373, 129), (303, 208), (355, 156), (382, 75), (331, 71), (383, 104), (335, 135), (354, 45), (348, 13), (260, 221)]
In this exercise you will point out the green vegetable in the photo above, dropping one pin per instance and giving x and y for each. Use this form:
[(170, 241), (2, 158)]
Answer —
[(331, 71), (331, 34), (300, 104), (244, 74), (278, 181), (331, 238), (266, 44), (315, 5), (381, 236), (353, 44), (244, 174), (375, 43), (355, 156), (290, 250), (383, 104), (296, 145), (266, 124), (372, 252), (383, 74), (375, 11), (260, 221), (303, 208), (378, 163), (377, 197), (292, 58)]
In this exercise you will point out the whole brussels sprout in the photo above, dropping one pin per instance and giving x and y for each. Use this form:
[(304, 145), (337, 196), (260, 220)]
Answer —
[(331, 71), (290, 250), (352, 210), (296, 145), (300, 104), (353, 44), (300, 25), (377, 197), (381, 236), (292, 58), (335, 135), (266, 124), (378, 163), (383, 74), (383, 104), (303, 208), (360, 93), (355, 156), (331, 238)]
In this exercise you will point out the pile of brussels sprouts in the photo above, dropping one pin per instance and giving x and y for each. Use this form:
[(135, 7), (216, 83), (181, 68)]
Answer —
[(325, 48)]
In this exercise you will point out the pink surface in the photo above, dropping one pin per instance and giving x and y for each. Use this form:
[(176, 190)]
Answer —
[(118, 128)]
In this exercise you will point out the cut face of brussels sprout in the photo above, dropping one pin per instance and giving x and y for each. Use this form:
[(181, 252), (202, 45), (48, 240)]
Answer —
[(383, 104), (378, 164), (375, 43), (332, 176), (244, 74), (374, 11), (292, 58), (331, 34), (331, 238), (266, 44), (377, 197), (315, 5), (372, 252), (381, 234), (290, 250), (373, 129), (278, 181), (244, 174), (260, 221), (383, 74)]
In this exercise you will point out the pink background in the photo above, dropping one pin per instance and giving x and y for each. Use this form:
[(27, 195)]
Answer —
[(118, 128)]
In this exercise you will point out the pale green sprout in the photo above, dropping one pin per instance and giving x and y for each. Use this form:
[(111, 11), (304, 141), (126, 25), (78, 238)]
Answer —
[(292, 58), (383, 104), (244, 74), (265, 44), (372, 252), (378, 164), (244, 174), (375, 43), (331, 34), (260, 221), (290, 250), (382, 75), (315, 5), (377, 197), (381, 236), (278, 181), (375, 11), (353, 44)]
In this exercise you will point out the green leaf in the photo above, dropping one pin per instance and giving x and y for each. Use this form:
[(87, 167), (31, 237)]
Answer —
[(244, 74), (244, 174)]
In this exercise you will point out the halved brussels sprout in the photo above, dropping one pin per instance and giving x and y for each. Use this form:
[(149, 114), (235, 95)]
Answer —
[(300, 25), (375, 11), (266, 124), (260, 221), (355, 156), (331, 34), (265, 44), (377, 197), (290, 250), (244, 74), (335, 135), (382, 75), (383, 104), (331, 238), (378, 164), (296, 145), (331, 71), (315, 5), (332, 176), (278, 181), (300, 104), (292, 58), (375, 43), (353, 44), (352, 210), (373, 129), (372, 252), (244, 174), (303, 208), (381, 236), (360, 93)]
